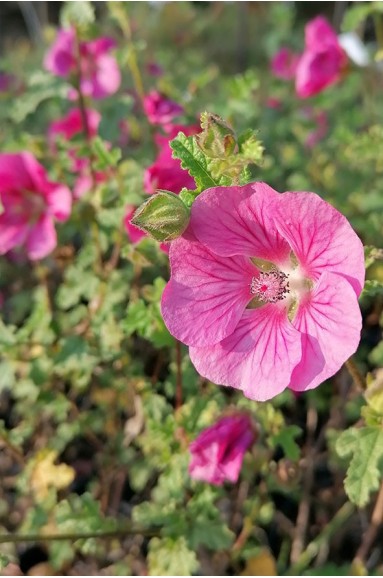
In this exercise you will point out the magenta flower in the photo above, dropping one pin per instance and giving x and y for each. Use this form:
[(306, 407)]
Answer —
[(159, 109), (100, 75), (284, 63), (217, 453), (72, 124), (264, 289), (31, 204), (166, 173), (322, 61)]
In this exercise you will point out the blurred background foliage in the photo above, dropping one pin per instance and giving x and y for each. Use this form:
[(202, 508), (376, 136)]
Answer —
[(93, 435)]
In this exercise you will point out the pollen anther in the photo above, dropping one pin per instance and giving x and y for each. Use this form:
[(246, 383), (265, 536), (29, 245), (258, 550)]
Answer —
[(270, 286)]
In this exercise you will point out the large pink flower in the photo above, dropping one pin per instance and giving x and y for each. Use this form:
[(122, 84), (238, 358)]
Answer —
[(31, 204), (166, 173), (322, 61), (284, 63), (159, 109), (217, 453), (264, 289), (100, 75)]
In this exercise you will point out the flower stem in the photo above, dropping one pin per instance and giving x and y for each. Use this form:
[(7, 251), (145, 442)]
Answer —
[(370, 535), (356, 375), (178, 375), (124, 531)]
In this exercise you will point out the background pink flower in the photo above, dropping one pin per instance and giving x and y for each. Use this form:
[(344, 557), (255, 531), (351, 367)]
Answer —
[(217, 453), (31, 204), (255, 317), (322, 61), (284, 63), (159, 109), (166, 173), (72, 124), (100, 75)]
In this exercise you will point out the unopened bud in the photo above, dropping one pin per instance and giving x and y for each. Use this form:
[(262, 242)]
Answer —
[(163, 216), (217, 139)]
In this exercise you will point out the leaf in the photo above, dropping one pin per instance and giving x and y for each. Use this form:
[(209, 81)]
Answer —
[(357, 14), (263, 564), (365, 445), (194, 161), (371, 288), (372, 254), (286, 440), (171, 557), (45, 474), (374, 393)]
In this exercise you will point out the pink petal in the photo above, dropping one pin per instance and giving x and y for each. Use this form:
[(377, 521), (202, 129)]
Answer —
[(319, 33), (321, 237), (42, 238), (14, 171), (107, 79), (12, 233), (258, 357), (330, 323), (239, 220), (59, 201), (207, 295)]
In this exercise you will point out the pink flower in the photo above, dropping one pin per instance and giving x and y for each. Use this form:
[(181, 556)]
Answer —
[(217, 453), (159, 109), (166, 173), (100, 75), (321, 121), (264, 289), (72, 124), (31, 204), (284, 63), (322, 61)]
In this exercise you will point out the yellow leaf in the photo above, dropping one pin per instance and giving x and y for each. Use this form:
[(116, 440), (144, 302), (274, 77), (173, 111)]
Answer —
[(263, 564), (45, 474)]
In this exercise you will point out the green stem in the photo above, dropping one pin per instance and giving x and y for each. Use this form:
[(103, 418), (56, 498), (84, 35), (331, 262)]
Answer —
[(308, 555), (20, 538)]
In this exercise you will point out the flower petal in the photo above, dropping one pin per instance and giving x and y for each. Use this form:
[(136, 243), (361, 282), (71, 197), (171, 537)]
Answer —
[(258, 357), (321, 238), (207, 295), (42, 239), (239, 220), (330, 323)]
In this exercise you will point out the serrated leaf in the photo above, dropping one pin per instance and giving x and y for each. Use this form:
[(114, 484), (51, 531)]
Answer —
[(171, 557), (286, 440), (194, 161), (365, 445)]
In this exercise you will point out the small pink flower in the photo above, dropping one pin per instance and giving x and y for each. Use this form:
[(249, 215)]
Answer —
[(217, 453), (159, 109), (166, 173), (321, 121), (264, 289), (72, 123), (284, 63), (322, 61), (31, 204), (100, 75), (274, 103)]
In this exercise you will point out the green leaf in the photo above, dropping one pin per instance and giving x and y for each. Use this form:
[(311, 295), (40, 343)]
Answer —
[(372, 254), (171, 557), (365, 445), (286, 440), (371, 288), (194, 161), (357, 14)]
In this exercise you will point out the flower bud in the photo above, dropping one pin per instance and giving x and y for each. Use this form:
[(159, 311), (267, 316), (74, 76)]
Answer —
[(217, 139), (163, 216)]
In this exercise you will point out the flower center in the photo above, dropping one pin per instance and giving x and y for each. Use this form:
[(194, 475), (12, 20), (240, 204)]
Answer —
[(270, 286)]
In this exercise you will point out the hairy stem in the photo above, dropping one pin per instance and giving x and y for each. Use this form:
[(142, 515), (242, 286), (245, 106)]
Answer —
[(178, 375), (129, 530)]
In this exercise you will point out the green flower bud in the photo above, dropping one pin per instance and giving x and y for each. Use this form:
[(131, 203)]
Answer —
[(217, 139), (163, 216)]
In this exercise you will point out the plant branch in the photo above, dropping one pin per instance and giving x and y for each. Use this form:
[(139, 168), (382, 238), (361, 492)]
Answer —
[(178, 374), (73, 536), (370, 535), (312, 550), (356, 375)]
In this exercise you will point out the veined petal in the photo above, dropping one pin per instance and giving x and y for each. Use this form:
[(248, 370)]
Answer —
[(258, 357), (239, 221), (321, 237), (330, 323), (207, 294)]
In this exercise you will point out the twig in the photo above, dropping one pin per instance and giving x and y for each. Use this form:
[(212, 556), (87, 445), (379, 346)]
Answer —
[(356, 375), (178, 374), (312, 550), (13, 450), (19, 538), (370, 535), (304, 505)]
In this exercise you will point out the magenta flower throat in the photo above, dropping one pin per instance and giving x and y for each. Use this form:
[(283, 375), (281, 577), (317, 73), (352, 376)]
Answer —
[(264, 289)]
